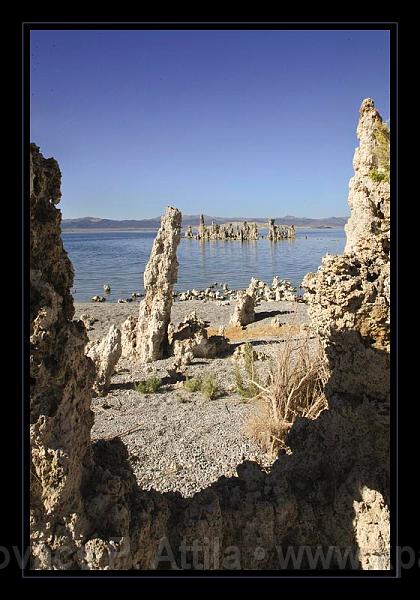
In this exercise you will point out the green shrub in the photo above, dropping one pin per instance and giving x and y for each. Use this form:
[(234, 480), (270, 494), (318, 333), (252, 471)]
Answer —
[(249, 390), (379, 176), (209, 387), (382, 136), (193, 384), (148, 386)]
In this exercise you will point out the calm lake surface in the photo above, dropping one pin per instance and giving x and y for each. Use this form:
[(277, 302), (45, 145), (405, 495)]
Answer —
[(119, 258)]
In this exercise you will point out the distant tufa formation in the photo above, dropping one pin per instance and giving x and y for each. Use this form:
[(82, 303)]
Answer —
[(243, 232), (329, 496)]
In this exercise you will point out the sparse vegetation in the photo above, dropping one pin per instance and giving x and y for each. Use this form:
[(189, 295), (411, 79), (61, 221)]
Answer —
[(296, 390), (148, 386), (193, 384), (250, 389), (382, 136), (207, 385), (210, 387)]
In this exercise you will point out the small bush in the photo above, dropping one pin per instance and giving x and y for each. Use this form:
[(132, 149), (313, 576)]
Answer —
[(249, 390), (193, 384), (379, 176), (382, 136), (148, 386), (209, 387)]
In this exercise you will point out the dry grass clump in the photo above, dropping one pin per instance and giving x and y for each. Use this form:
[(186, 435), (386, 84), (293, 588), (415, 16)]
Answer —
[(296, 389)]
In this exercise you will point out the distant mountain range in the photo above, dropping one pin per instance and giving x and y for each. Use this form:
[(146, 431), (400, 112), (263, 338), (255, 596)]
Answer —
[(152, 224)]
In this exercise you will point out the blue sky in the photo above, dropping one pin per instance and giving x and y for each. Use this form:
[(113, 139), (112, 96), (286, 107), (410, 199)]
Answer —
[(229, 123)]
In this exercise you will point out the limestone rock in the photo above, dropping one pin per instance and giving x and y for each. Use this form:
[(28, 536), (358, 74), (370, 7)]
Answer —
[(129, 337), (369, 197), (105, 355), (244, 312), (279, 232), (349, 305), (227, 231), (348, 298), (160, 276), (189, 339), (88, 321), (62, 460)]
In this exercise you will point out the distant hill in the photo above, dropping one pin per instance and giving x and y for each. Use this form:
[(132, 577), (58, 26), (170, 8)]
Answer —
[(153, 224)]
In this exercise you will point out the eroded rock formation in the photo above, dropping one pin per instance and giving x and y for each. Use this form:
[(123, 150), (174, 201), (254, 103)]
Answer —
[(227, 231), (348, 297), (105, 354), (129, 337), (280, 232), (244, 312), (349, 306), (63, 536), (189, 340), (160, 276), (243, 232)]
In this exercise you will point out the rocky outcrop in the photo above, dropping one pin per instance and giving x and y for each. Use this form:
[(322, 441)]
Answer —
[(189, 340), (348, 297), (189, 232), (244, 312), (279, 232), (349, 305), (369, 222), (63, 535), (129, 337), (227, 231), (243, 232), (160, 276), (105, 355)]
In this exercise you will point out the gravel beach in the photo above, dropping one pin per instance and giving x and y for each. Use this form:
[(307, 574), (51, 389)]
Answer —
[(179, 440)]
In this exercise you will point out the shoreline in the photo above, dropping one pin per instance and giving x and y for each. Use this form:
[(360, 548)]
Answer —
[(144, 229)]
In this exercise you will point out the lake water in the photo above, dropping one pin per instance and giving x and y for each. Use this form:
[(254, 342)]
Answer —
[(119, 258)]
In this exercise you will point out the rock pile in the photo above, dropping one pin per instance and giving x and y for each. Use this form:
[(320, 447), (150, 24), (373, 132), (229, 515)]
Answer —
[(256, 292), (244, 312), (280, 290), (189, 340)]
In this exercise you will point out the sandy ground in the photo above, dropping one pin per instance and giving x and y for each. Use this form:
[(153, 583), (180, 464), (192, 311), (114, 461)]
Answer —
[(179, 440)]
